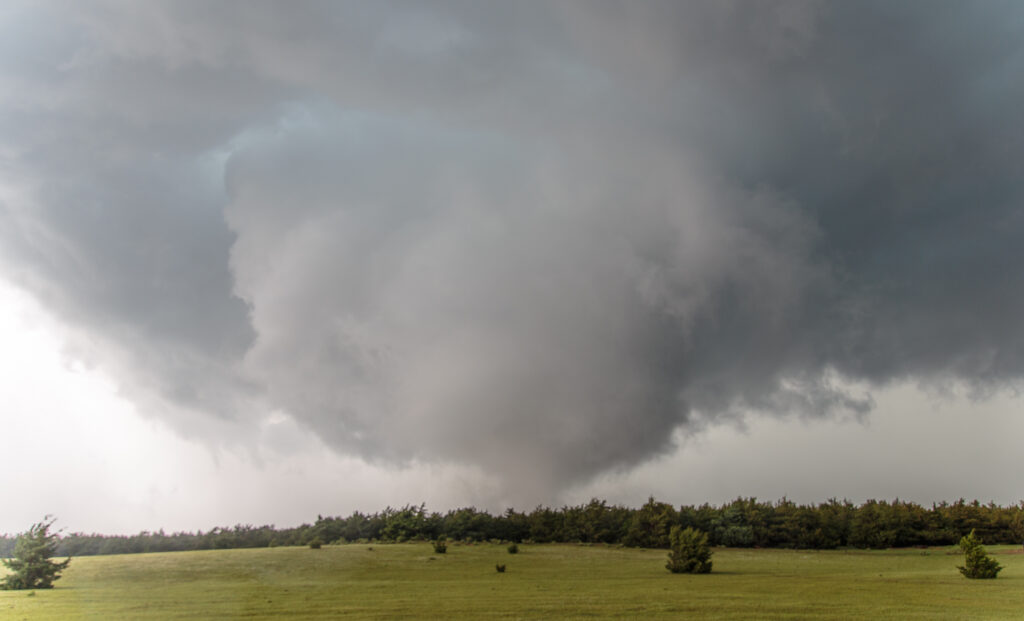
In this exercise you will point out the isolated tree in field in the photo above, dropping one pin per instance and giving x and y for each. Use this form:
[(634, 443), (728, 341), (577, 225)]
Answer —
[(31, 566), (689, 552), (977, 564), (440, 545)]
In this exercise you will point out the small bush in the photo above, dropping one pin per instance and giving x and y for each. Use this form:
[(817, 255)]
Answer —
[(441, 545), (500, 568), (513, 549), (689, 552), (977, 564), (315, 543)]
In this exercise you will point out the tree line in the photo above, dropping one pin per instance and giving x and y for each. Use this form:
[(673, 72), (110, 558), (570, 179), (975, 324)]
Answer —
[(744, 522)]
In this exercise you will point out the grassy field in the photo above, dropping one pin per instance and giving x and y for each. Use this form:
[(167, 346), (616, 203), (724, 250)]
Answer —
[(541, 582)]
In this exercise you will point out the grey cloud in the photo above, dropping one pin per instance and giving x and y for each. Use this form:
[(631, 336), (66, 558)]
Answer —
[(532, 238), (440, 297)]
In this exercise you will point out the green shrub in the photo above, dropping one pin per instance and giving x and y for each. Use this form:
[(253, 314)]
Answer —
[(440, 545), (500, 568), (977, 564), (689, 551), (513, 549), (315, 543)]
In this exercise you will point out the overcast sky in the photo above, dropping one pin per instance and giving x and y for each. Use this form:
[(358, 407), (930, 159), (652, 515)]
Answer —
[(264, 260)]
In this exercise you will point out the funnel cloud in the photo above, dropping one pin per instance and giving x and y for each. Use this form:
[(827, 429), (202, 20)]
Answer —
[(534, 238)]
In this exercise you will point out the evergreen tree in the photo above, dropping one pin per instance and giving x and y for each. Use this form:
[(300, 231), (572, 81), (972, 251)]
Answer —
[(650, 525), (689, 551), (31, 566), (977, 564)]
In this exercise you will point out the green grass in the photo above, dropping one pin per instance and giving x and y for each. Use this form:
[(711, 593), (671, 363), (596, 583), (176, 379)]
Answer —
[(542, 582)]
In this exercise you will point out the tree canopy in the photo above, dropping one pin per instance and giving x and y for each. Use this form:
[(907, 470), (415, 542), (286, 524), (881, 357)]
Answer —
[(744, 522)]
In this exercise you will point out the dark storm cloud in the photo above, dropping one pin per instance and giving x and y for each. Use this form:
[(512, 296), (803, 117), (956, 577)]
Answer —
[(530, 237)]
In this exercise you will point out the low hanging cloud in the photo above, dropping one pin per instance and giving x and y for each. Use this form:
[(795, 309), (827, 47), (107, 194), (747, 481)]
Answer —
[(531, 238)]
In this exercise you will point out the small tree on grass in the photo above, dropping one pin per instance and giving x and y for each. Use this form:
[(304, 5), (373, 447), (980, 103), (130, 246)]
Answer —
[(689, 551), (977, 564), (440, 545), (31, 565)]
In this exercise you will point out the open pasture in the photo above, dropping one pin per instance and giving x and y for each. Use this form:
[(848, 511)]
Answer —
[(542, 582)]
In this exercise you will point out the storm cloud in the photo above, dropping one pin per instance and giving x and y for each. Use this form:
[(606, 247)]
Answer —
[(530, 238)]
